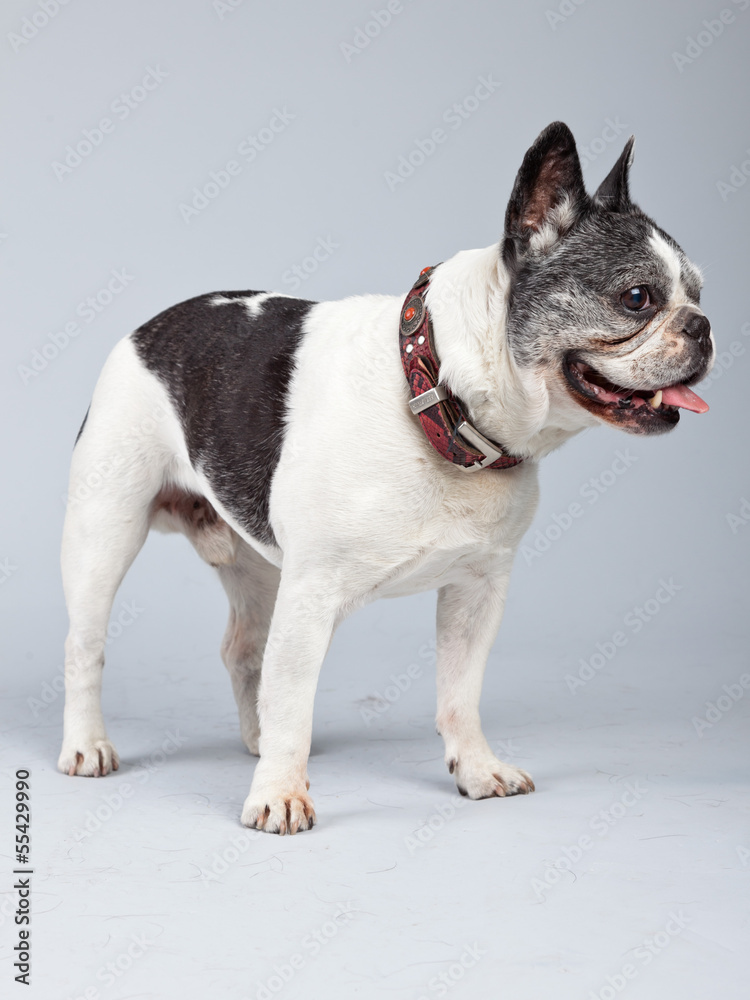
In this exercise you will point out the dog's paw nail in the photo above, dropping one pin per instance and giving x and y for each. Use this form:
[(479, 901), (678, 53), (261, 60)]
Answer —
[(452, 765), (486, 778), (523, 783), (285, 815), (501, 789), (93, 761)]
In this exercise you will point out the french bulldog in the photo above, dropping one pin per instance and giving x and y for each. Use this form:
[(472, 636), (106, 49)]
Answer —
[(323, 455)]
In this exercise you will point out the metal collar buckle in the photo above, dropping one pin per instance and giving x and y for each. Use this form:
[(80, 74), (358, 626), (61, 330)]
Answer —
[(480, 442), (428, 399), (465, 429)]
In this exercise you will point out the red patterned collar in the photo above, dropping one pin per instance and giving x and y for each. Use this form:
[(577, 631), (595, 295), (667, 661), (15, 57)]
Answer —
[(441, 414)]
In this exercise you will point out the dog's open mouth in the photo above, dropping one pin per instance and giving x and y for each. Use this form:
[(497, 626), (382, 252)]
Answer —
[(646, 406)]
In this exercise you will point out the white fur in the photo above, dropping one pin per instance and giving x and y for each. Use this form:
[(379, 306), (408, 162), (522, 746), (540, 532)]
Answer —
[(673, 263), (556, 223)]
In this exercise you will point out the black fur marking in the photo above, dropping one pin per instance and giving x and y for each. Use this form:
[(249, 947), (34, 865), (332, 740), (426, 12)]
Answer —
[(228, 374), (613, 192), (80, 430)]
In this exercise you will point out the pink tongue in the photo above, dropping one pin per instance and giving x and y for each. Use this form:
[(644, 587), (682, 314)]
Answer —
[(680, 395)]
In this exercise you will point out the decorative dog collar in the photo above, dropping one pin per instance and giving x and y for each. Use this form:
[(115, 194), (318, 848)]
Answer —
[(441, 414)]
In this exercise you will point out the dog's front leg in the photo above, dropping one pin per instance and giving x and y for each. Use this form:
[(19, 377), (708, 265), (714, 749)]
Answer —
[(469, 615), (303, 621)]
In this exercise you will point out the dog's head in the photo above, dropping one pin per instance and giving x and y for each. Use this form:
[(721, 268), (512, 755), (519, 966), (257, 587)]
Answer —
[(603, 304)]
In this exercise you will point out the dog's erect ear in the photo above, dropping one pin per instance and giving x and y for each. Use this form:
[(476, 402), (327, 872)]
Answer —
[(613, 193), (548, 193)]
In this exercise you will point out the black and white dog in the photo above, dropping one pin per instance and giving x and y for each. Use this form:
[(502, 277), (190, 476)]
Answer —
[(322, 455)]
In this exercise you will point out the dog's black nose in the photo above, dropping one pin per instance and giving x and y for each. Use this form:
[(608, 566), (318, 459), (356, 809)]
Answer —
[(697, 326)]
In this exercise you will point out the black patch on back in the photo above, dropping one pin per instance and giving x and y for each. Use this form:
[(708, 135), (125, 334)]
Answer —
[(228, 374)]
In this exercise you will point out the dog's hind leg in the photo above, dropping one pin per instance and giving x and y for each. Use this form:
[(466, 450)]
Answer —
[(251, 583), (115, 474)]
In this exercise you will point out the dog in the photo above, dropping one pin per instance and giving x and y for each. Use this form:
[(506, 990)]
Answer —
[(323, 455)]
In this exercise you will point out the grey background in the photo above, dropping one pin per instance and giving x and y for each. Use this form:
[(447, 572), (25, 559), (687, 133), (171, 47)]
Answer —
[(376, 782)]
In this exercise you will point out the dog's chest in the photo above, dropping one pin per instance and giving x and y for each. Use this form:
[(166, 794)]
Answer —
[(475, 529), (436, 568)]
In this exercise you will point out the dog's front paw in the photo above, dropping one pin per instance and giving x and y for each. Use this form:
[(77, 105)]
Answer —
[(93, 759), (485, 777), (278, 812)]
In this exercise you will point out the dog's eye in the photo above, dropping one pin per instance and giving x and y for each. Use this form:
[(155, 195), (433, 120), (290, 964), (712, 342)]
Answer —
[(636, 298)]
